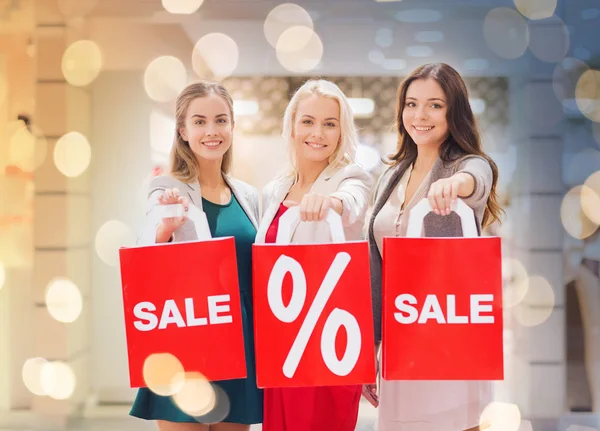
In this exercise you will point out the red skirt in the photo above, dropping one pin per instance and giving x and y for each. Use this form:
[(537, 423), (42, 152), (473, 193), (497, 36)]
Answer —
[(321, 408)]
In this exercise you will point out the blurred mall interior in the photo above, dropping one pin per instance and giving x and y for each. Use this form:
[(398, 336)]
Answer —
[(87, 91)]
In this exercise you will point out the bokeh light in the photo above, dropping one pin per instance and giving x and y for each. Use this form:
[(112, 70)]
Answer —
[(111, 236), (537, 304), (72, 154), (162, 132), (499, 416), (296, 56), (590, 197), (196, 397), (574, 220), (82, 62), (549, 41), (516, 281), (565, 77), (164, 78), (184, 7), (2, 275), (219, 52), (581, 165), (384, 37), (376, 57), (58, 380), (582, 53), (220, 410), (27, 147), (506, 32), (163, 373), (63, 300), (283, 17), (536, 9), (32, 375), (587, 94), (367, 156)]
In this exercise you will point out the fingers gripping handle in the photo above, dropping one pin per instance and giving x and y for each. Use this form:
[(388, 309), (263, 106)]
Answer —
[(420, 210), (290, 219), (159, 212)]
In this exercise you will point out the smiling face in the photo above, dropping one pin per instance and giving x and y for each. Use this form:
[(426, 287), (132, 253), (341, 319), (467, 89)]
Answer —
[(316, 129), (424, 114), (208, 127)]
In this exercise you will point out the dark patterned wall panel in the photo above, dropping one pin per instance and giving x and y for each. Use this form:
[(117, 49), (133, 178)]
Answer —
[(273, 94), (272, 97)]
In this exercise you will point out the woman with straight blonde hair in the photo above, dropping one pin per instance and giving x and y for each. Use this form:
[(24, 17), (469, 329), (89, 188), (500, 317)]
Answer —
[(200, 161), (319, 129)]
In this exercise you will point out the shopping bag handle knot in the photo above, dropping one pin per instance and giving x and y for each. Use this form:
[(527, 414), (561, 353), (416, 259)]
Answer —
[(159, 212), (420, 210), (290, 219)]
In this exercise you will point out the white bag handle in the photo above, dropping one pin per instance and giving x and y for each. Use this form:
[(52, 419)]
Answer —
[(420, 210), (291, 218), (159, 212)]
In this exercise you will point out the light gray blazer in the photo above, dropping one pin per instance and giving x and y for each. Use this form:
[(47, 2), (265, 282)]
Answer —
[(246, 195), (351, 184), (433, 225)]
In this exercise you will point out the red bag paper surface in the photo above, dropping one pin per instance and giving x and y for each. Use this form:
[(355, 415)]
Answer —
[(442, 309), (289, 280), (183, 299)]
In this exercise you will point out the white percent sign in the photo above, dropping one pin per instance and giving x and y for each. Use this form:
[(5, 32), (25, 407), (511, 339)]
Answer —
[(336, 319)]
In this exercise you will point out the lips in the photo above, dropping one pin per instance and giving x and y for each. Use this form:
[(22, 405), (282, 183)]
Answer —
[(212, 144), (423, 128), (315, 145)]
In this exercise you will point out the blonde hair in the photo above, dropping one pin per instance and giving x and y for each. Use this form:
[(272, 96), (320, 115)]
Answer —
[(345, 153), (184, 165)]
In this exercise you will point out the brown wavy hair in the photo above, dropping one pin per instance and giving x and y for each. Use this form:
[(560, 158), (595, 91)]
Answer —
[(183, 162), (463, 138)]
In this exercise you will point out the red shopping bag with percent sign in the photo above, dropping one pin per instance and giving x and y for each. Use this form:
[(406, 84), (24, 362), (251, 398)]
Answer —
[(183, 299), (442, 303), (313, 317)]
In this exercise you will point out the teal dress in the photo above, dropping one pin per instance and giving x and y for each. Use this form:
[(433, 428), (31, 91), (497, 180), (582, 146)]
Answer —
[(244, 398)]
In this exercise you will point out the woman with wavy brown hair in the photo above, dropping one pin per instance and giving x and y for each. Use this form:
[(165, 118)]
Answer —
[(439, 157)]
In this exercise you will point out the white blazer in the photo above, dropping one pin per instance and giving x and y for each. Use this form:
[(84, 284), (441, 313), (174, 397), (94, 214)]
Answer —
[(246, 195), (351, 184)]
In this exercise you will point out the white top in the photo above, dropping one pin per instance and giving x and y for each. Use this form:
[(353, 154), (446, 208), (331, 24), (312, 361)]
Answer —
[(392, 220)]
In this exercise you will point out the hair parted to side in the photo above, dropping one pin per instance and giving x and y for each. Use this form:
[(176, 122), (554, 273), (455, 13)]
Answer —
[(463, 136), (184, 165), (345, 152)]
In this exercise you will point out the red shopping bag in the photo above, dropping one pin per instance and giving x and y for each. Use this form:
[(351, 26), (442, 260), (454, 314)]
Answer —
[(183, 299), (442, 304), (313, 317)]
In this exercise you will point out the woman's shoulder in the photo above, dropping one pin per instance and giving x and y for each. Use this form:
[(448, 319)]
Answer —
[(472, 162), (352, 170), (243, 187), (283, 180), (384, 178)]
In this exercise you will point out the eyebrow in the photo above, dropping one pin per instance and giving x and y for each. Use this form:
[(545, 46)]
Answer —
[(433, 98), (204, 116), (326, 119)]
